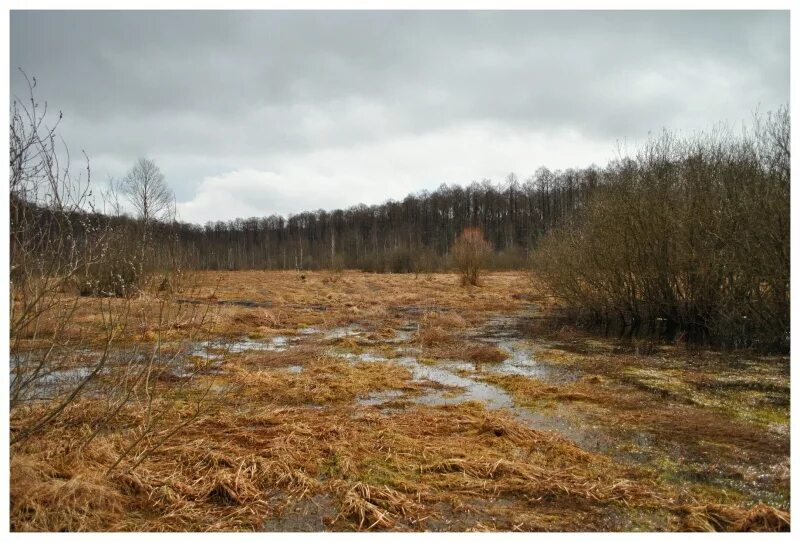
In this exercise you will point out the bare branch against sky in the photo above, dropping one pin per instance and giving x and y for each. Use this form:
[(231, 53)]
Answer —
[(277, 112)]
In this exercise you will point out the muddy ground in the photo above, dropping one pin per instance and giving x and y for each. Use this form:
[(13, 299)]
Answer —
[(351, 401)]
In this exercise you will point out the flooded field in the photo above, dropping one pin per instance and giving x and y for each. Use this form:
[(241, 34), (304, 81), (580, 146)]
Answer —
[(395, 402)]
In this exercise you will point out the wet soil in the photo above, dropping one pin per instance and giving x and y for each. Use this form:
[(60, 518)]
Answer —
[(677, 422)]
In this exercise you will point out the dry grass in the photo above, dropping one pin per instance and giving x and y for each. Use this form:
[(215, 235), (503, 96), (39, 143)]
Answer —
[(257, 318), (384, 472), (435, 336), (447, 320), (715, 517), (240, 466), (482, 353), (45, 498), (286, 439), (285, 302), (323, 380)]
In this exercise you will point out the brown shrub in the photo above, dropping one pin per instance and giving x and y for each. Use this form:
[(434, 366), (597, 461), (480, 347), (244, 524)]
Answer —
[(470, 253)]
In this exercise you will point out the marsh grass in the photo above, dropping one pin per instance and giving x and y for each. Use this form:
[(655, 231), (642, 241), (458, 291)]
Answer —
[(278, 440)]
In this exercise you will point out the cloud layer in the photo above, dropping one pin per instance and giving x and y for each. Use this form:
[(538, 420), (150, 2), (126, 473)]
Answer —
[(250, 113)]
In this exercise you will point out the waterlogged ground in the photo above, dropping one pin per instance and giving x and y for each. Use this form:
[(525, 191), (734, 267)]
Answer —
[(410, 403), (720, 423)]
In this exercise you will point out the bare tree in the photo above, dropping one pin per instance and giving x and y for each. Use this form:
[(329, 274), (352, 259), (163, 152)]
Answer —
[(148, 193)]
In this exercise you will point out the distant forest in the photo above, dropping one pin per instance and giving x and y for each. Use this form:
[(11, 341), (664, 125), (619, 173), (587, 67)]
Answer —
[(415, 234)]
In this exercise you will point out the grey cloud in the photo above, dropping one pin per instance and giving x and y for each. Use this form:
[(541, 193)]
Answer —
[(245, 89)]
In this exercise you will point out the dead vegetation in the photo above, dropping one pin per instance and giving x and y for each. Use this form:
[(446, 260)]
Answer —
[(483, 353), (238, 467), (293, 433), (384, 472), (715, 517), (324, 380)]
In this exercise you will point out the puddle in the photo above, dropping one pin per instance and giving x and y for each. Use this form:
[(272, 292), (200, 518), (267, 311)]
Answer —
[(235, 302), (180, 365), (499, 328), (59, 376), (521, 361), (47, 386), (307, 515), (400, 336), (216, 349), (343, 332), (380, 397), (493, 396), (461, 382)]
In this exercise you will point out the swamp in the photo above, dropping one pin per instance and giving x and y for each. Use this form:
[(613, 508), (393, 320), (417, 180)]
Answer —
[(357, 401)]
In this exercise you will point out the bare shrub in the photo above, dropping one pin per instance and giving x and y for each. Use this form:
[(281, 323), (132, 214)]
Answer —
[(60, 250), (689, 238), (470, 253)]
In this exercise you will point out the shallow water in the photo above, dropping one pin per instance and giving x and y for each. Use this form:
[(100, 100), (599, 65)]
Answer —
[(378, 398), (457, 381), (48, 385), (342, 332), (217, 349), (473, 390)]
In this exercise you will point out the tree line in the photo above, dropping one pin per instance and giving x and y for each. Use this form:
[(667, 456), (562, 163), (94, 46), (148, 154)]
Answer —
[(415, 234)]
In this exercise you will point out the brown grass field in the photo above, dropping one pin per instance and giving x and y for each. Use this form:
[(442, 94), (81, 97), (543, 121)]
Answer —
[(353, 401)]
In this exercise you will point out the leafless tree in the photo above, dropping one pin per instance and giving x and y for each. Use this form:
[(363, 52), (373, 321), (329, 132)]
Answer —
[(148, 193), (153, 201)]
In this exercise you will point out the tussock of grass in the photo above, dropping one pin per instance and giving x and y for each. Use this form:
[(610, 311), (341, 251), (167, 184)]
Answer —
[(249, 319), (434, 336), (483, 353), (45, 499), (374, 506), (324, 380), (447, 320), (717, 517)]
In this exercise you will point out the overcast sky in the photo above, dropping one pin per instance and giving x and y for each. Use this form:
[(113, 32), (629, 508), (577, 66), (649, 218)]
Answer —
[(254, 113)]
